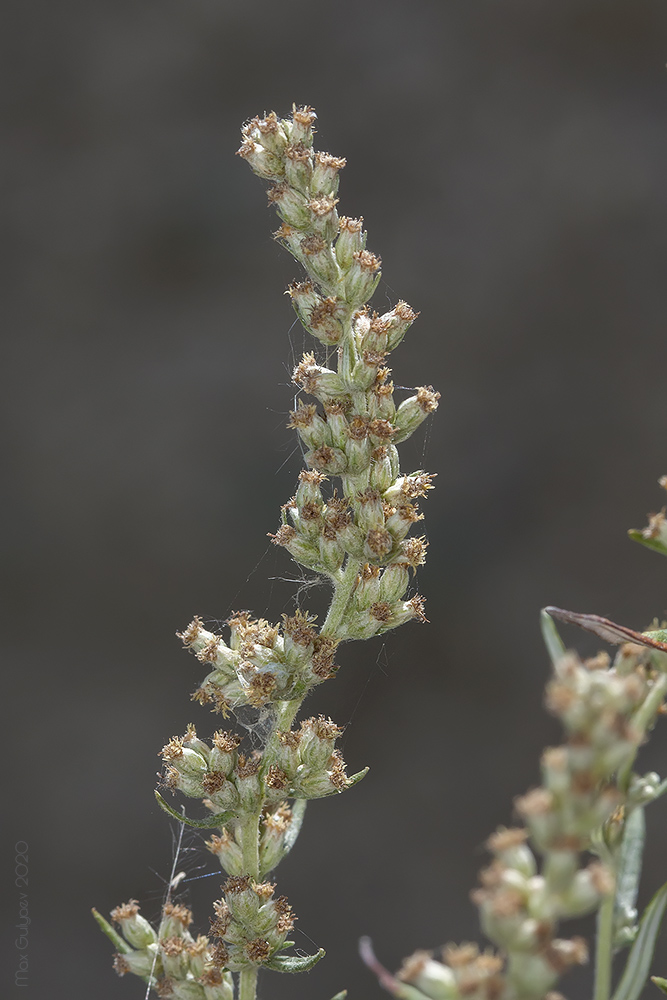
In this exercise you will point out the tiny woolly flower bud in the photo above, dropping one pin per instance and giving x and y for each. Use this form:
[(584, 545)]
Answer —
[(176, 919), (324, 218), (227, 851), (323, 317), (332, 552), (409, 487), (174, 955), (316, 380), (262, 161), (413, 411), (299, 549), (223, 755), (510, 847), (301, 126), (362, 277), (316, 254), (351, 240), (587, 888), (435, 980), (274, 830), (325, 173), (368, 509), (311, 428), (269, 131), (247, 781), (393, 583), (217, 985), (291, 205), (135, 929), (381, 474), (367, 591), (299, 167), (332, 461), (337, 423), (398, 321), (139, 963), (379, 543), (401, 519)]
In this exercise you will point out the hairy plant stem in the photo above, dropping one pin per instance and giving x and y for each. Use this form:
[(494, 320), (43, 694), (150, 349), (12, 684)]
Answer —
[(248, 984), (341, 598), (604, 949)]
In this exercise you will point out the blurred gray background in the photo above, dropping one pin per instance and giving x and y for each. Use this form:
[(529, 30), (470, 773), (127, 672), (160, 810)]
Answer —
[(508, 157)]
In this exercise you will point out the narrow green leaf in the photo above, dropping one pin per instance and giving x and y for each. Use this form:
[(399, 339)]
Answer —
[(294, 963), (629, 872), (651, 543), (658, 980), (552, 640), (639, 960), (356, 778), (217, 820), (340, 996), (120, 943)]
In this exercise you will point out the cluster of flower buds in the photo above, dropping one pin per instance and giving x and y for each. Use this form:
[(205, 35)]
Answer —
[(605, 711), (250, 924), (462, 972), (262, 663), (306, 765), (171, 960), (353, 432)]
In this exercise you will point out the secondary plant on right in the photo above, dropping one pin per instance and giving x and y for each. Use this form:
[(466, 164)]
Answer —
[(579, 847)]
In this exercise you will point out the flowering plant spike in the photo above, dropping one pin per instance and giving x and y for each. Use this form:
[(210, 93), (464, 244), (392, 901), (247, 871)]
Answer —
[(349, 522), (579, 848)]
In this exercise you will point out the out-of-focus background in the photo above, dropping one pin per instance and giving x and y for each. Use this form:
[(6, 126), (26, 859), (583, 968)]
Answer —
[(508, 157)]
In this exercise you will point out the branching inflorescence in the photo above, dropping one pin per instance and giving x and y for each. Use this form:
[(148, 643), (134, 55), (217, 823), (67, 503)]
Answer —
[(580, 848), (355, 536)]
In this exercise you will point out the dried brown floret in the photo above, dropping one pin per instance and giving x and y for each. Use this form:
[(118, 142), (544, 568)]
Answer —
[(284, 535), (248, 766), (125, 911), (367, 261), (358, 428), (191, 633), (120, 965), (176, 911), (213, 781), (381, 611), (226, 742), (258, 950), (276, 778), (379, 541), (236, 884)]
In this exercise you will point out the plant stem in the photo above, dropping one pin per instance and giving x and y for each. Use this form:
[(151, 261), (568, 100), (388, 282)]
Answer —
[(341, 598), (604, 949), (248, 984)]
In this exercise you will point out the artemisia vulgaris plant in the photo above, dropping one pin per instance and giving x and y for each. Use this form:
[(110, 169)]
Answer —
[(348, 523), (579, 847)]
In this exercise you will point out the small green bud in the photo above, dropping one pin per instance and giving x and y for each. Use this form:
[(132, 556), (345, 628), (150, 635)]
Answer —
[(435, 980), (135, 929), (413, 411), (261, 160), (351, 240), (362, 277), (292, 207), (298, 167), (325, 173)]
